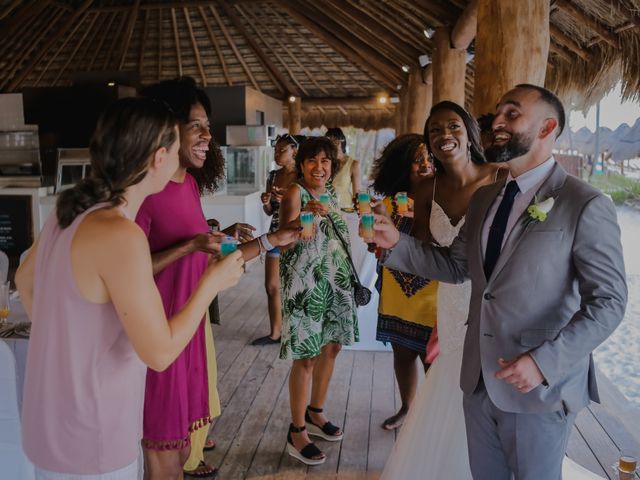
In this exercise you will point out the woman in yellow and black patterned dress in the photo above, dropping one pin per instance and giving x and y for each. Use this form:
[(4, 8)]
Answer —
[(407, 308)]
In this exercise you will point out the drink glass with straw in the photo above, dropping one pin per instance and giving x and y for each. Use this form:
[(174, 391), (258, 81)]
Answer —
[(229, 245), (5, 307), (402, 203), (306, 221), (366, 227), (364, 202), (626, 466)]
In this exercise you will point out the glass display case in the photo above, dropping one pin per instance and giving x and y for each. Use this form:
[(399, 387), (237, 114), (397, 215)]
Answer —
[(247, 169), (20, 158)]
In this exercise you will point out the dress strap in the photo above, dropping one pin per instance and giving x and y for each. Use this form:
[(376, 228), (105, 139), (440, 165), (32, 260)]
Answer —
[(433, 196)]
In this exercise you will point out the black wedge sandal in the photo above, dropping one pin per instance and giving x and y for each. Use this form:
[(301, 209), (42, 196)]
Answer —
[(307, 453), (327, 432)]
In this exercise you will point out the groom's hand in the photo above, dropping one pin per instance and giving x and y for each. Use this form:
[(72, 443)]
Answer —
[(521, 372), (386, 235)]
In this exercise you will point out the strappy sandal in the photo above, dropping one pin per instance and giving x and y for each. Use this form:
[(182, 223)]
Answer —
[(328, 431), (308, 451)]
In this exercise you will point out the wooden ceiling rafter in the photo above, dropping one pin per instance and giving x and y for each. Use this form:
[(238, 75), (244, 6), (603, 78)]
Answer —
[(133, 16), (160, 30), (23, 18), (94, 57), (390, 52), (216, 46), (176, 40), (327, 59), (589, 22), (233, 46), (386, 34), (38, 36), (376, 11), (280, 81), (563, 39), (88, 44), (143, 41), (114, 41), (76, 48), (434, 13), (10, 8), (13, 48), (560, 51), (63, 44), (253, 21), (169, 4), (294, 58), (194, 44), (339, 37)]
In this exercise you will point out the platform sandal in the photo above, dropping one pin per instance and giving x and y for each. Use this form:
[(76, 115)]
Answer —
[(308, 451), (327, 432)]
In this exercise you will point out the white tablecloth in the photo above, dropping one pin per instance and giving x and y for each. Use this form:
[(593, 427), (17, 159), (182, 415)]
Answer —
[(365, 263)]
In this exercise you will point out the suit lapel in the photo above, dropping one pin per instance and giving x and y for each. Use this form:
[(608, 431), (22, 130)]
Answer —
[(549, 187)]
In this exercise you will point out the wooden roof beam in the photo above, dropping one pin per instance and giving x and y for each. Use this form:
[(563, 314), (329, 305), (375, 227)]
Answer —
[(133, 16), (232, 44), (92, 41), (173, 4), (10, 8), (466, 27), (45, 48), (196, 50), (273, 38), (114, 41), (143, 41), (589, 22), (561, 52), (281, 82), (216, 45), (102, 40), (341, 102), (563, 39), (160, 30), (176, 39), (338, 36), (37, 36), (77, 47), (22, 18)]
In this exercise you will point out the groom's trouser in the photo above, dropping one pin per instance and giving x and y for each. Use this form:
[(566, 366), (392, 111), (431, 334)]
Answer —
[(531, 445)]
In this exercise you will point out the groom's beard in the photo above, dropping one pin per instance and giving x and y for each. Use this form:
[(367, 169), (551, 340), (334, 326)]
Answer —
[(518, 145)]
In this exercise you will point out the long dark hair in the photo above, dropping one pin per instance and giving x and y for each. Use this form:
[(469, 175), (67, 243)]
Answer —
[(181, 94), (470, 124), (311, 147), (392, 171), (127, 134)]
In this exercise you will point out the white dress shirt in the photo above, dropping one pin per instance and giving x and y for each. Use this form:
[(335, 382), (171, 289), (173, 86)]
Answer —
[(528, 183)]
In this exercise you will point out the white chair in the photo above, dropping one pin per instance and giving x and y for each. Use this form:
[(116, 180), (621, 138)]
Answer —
[(14, 464), (4, 267)]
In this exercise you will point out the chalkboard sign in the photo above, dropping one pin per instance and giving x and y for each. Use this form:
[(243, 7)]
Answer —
[(16, 224)]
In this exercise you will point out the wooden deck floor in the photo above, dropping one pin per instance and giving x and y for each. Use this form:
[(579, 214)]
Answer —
[(252, 382)]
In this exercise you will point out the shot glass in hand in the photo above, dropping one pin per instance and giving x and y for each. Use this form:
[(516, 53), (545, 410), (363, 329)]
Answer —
[(366, 227), (402, 203), (228, 245), (324, 199), (306, 221), (364, 202), (5, 307)]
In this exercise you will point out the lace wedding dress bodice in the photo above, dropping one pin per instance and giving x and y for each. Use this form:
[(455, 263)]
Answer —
[(453, 300)]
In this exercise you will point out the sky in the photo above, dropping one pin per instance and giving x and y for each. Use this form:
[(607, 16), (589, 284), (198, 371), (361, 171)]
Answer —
[(612, 113)]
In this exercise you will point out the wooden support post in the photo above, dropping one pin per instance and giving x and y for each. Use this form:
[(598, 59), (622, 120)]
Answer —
[(419, 101), (295, 116), (401, 114), (449, 68), (512, 47)]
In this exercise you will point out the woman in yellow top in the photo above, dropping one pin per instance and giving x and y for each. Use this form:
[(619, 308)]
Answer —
[(407, 308), (346, 182)]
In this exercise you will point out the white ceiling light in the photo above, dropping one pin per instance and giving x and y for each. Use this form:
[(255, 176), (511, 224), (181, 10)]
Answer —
[(424, 60), (428, 32), (405, 68)]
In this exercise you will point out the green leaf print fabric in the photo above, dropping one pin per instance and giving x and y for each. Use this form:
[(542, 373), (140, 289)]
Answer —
[(317, 295)]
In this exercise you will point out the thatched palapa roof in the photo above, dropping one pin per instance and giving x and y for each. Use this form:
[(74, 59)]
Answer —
[(336, 55)]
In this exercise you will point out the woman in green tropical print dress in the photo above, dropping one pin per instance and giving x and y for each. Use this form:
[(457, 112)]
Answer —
[(319, 312)]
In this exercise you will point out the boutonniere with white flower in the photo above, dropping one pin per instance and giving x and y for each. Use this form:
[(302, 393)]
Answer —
[(538, 211)]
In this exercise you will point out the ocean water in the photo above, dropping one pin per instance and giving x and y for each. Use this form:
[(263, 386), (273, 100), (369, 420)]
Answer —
[(619, 356)]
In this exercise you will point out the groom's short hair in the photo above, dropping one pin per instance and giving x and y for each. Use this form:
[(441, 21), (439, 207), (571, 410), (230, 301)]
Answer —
[(551, 99)]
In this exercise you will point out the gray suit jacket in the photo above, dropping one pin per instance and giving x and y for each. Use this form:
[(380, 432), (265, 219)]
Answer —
[(557, 291)]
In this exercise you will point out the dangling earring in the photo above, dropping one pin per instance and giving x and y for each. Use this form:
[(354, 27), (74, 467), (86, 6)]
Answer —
[(468, 152)]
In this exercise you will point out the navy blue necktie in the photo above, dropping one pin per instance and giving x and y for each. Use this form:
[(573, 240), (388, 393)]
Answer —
[(498, 227)]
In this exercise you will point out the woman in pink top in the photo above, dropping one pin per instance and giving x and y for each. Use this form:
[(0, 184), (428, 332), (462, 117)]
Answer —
[(97, 315)]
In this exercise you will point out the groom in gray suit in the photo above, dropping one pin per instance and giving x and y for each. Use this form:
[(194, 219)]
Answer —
[(543, 252)]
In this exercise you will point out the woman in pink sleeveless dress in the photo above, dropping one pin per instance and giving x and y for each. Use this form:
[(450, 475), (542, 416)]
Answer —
[(97, 315)]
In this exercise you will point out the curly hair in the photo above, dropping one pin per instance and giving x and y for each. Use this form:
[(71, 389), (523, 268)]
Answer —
[(473, 132), (311, 147), (392, 171), (181, 94)]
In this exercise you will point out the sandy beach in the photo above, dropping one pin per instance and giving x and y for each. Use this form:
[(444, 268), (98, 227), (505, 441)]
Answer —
[(619, 356)]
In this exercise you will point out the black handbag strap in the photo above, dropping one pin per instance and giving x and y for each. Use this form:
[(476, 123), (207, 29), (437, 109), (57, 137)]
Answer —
[(342, 241)]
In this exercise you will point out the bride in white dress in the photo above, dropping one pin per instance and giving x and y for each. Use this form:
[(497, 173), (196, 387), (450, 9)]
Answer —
[(432, 443)]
